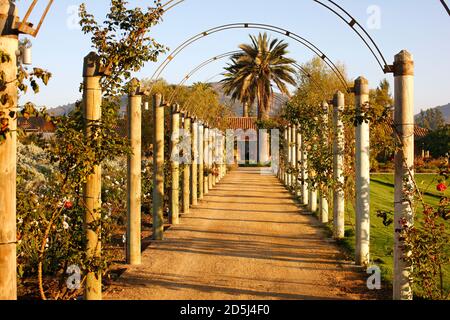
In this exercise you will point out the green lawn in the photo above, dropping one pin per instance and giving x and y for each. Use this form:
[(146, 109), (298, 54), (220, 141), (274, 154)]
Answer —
[(382, 198)]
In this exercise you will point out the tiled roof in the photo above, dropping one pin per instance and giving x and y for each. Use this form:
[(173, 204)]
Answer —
[(36, 124), (244, 123), (419, 132)]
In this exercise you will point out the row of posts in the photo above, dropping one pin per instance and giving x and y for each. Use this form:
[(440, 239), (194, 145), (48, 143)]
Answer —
[(194, 146), (316, 197), (403, 70)]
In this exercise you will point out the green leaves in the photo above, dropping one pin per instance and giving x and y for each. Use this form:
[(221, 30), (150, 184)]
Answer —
[(251, 72), (122, 41)]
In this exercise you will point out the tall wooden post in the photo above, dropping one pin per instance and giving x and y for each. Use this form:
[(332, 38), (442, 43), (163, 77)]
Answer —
[(304, 171), (8, 156), (158, 168), (323, 202), (187, 166), (289, 144), (92, 102), (174, 212), (294, 178), (284, 174), (134, 174), (338, 167), (214, 153), (206, 158), (210, 158), (312, 201), (404, 166), (298, 158), (194, 166), (362, 175), (201, 160), (263, 146)]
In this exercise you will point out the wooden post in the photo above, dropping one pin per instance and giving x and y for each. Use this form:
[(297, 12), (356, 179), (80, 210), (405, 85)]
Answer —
[(214, 154), (92, 102), (263, 147), (289, 144), (312, 201), (294, 178), (194, 168), (323, 202), (200, 161), (304, 172), (298, 158), (210, 157), (206, 158), (8, 156), (404, 166), (362, 175), (174, 213), (187, 165), (158, 168), (134, 174), (338, 167), (286, 155)]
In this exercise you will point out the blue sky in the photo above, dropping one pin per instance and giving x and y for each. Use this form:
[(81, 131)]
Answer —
[(420, 26)]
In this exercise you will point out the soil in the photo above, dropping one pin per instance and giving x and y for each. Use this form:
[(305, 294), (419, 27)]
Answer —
[(247, 239)]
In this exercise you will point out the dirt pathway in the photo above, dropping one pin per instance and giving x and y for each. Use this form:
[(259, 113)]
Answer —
[(246, 240)]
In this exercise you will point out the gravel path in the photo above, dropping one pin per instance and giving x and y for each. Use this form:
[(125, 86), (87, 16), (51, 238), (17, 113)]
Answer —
[(246, 240)]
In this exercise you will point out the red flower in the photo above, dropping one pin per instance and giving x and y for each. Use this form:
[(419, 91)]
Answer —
[(441, 187), (68, 205)]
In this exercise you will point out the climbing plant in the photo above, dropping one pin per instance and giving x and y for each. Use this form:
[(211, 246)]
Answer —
[(56, 209)]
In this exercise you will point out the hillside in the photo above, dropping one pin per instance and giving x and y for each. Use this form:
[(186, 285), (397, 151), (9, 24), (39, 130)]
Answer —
[(445, 112), (236, 107)]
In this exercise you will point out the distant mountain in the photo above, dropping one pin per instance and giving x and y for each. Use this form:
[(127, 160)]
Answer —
[(445, 112), (278, 101), (67, 108)]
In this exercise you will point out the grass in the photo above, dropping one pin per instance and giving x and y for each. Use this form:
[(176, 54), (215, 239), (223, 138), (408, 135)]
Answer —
[(382, 198)]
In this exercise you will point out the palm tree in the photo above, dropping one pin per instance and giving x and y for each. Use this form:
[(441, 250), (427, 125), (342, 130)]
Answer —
[(252, 72)]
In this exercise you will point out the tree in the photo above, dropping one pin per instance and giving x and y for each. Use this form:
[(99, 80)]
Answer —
[(431, 119), (252, 72), (438, 141), (382, 144)]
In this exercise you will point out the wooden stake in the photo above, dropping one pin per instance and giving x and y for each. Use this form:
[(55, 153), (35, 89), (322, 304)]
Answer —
[(187, 169), (338, 167), (201, 166), (194, 165), (206, 158), (92, 101), (8, 157), (134, 174), (323, 202), (174, 213), (362, 175), (404, 167), (158, 168)]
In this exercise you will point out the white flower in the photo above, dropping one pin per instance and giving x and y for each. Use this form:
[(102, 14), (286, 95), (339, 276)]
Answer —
[(65, 225), (124, 238)]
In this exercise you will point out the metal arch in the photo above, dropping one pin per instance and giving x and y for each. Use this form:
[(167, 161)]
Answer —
[(171, 4), (446, 7), (198, 68), (266, 27), (227, 54), (353, 23)]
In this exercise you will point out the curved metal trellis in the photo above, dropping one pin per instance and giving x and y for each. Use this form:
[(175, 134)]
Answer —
[(259, 26), (228, 54), (360, 31)]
